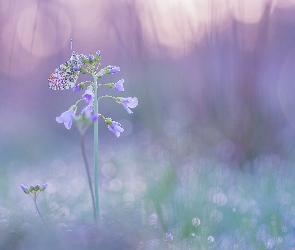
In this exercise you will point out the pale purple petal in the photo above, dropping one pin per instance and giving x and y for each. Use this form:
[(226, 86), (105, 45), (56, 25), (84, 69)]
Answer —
[(66, 118), (115, 127), (76, 88), (119, 85), (88, 95), (130, 102), (42, 188), (87, 111)]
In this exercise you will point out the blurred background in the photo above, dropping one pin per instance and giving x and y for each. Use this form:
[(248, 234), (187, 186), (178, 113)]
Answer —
[(215, 82)]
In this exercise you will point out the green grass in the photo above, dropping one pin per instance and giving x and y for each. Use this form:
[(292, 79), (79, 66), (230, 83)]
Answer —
[(204, 204)]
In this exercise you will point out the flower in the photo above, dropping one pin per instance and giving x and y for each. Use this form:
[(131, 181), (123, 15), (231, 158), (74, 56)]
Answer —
[(115, 127), (76, 68), (129, 102), (111, 69), (66, 118), (76, 88), (90, 58), (97, 57), (87, 112), (169, 237), (37, 187), (25, 189), (86, 118), (118, 86), (88, 95)]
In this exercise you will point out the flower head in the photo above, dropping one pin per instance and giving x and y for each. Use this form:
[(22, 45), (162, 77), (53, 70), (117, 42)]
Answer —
[(88, 95), (115, 127), (66, 118), (118, 86), (25, 189), (129, 102)]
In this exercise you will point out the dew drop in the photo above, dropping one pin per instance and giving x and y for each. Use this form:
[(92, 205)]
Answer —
[(196, 221), (210, 239)]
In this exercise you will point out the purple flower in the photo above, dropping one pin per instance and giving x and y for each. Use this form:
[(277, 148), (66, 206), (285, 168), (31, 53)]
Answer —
[(114, 69), (42, 188), (24, 188), (97, 56), (88, 95), (111, 69), (169, 237), (129, 102), (87, 111), (66, 118), (115, 127), (37, 187), (76, 68), (118, 86), (90, 58), (76, 88), (86, 118)]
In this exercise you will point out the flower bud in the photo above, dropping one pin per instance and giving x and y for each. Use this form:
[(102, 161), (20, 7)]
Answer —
[(82, 85), (37, 188), (84, 59), (90, 59), (83, 71), (76, 68), (42, 188), (74, 108), (97, 57), (31, 188), (25, 189), (108, 120), (169, 237), (76, 88), (111, 69)]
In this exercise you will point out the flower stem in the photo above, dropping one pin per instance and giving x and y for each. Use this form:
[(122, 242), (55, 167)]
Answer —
[(82, 142), (95, 103), (35, 201)]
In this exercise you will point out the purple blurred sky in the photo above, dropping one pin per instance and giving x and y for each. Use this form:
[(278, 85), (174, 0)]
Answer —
[(225, 70)]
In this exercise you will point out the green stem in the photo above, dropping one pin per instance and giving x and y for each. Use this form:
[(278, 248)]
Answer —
[(35, 201), (88, 172), (107, 96), (95, 103)]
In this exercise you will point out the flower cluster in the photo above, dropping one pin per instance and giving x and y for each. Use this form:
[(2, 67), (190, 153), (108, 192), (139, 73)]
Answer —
[(34, 189), (90, 64)]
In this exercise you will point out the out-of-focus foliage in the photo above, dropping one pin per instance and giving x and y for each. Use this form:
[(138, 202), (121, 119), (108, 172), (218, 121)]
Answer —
[(206, 157)]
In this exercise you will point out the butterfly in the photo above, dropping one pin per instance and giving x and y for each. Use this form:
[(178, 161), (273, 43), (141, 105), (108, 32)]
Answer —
[(64, 77)]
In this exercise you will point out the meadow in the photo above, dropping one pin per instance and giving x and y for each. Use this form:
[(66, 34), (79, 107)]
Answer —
[(206, 159)]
